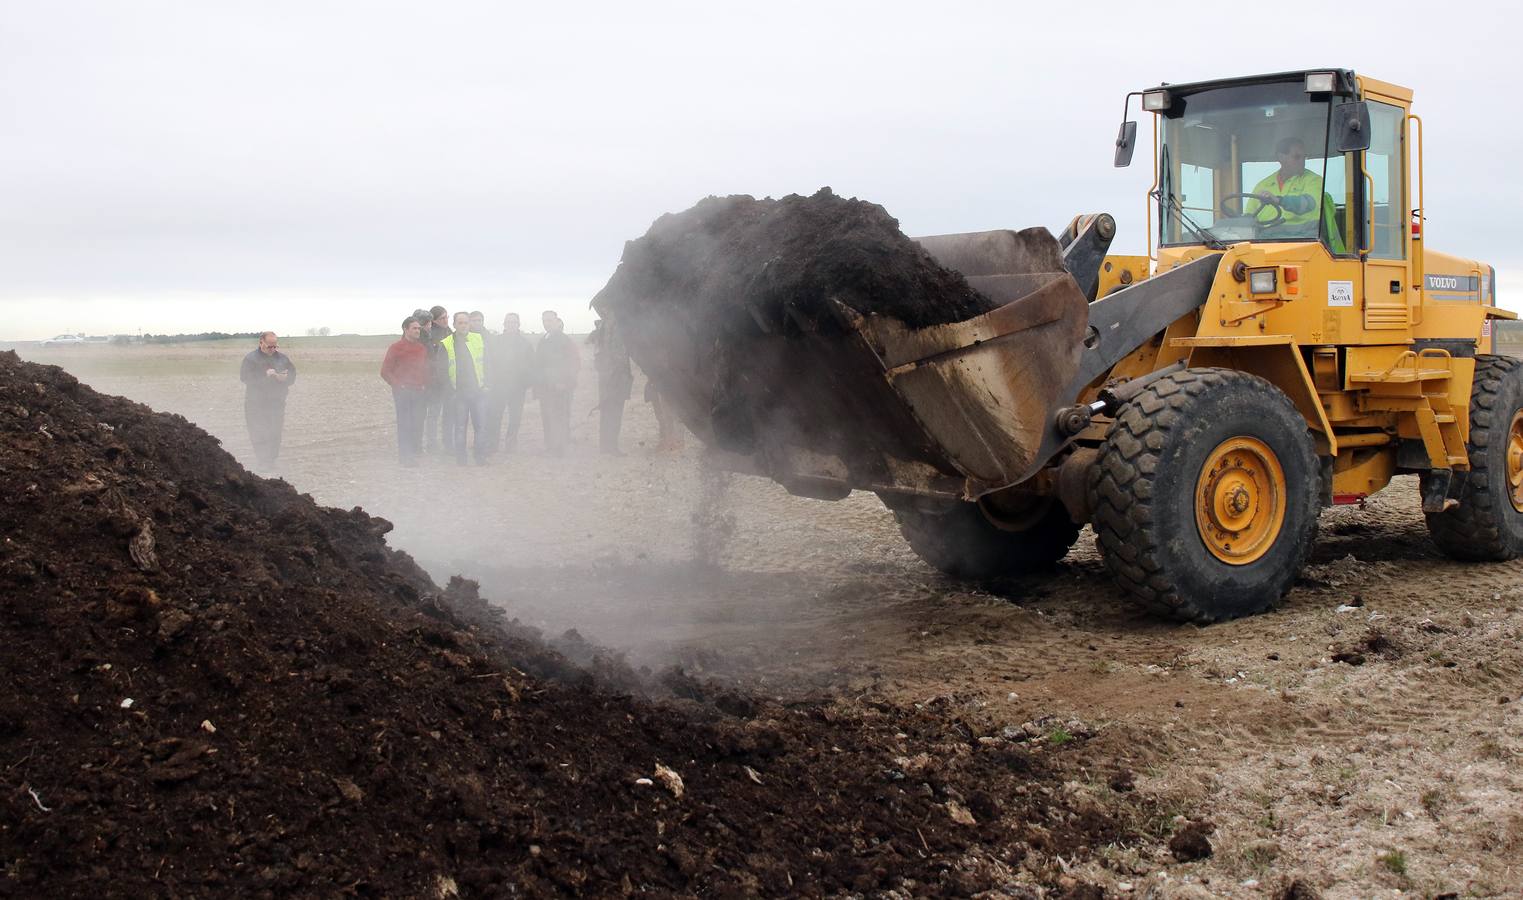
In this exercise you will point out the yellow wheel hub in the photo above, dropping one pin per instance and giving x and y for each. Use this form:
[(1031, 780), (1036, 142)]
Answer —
[(1515, 461), (1240, 497)]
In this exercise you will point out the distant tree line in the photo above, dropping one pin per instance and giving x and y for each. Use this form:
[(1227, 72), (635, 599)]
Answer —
[(203, 336)]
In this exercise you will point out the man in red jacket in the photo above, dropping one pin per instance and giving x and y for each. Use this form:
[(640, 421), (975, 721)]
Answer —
[(406, 370)]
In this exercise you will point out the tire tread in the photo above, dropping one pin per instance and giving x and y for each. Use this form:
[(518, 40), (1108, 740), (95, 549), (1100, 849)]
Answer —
[(1476, 530), (1122, 490)]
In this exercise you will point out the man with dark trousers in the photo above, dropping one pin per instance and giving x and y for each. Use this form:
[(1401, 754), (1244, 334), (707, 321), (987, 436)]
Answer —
[(267, 375), (510, 364), (465, 354), (438, 414), (556, 363), (406, 370)]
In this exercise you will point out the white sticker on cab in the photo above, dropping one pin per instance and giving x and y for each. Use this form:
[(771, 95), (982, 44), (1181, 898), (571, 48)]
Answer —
[(1340, 293)]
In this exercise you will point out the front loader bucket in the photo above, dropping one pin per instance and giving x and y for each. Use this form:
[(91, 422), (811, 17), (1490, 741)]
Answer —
[(986, 388), (864, 402)]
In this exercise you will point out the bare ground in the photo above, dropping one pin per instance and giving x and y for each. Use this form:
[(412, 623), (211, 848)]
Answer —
[(1364, 738)]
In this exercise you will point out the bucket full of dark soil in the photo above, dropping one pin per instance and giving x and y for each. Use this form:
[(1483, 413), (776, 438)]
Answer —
[(813, 337)]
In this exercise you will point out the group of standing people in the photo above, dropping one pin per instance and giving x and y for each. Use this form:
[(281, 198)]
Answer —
[(460, 389), (454, 386)]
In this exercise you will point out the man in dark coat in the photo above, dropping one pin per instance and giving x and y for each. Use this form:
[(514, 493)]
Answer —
[(439, 410), (556, 364), (510, 369), (267, 375)]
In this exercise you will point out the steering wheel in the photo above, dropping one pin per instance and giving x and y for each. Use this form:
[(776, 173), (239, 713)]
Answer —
[(1279, 210)]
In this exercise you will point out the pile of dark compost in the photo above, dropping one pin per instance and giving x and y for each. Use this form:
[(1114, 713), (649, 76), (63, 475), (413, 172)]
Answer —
[(737, 310), (218, 688), (738, 258)]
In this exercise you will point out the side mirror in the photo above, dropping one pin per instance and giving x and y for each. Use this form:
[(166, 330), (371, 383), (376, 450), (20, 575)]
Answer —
[(1351, 126), (1126, 142)]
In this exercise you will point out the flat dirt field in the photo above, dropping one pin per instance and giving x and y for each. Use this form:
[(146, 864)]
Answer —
[(1366, 738)]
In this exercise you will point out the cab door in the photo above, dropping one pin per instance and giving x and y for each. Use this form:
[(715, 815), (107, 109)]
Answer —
[(1387, 279)]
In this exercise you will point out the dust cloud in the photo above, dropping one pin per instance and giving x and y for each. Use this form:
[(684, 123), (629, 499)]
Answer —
[(655, 555), (659, 555)]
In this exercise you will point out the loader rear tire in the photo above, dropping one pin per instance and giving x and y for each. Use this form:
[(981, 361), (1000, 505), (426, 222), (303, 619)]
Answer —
[(1487, 526), (961, 541), (1205, 495)]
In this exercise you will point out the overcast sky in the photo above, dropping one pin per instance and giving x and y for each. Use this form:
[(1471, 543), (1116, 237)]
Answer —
[(190, 166)]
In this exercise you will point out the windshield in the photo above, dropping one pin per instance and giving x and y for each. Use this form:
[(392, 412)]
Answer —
[(1251, 163)]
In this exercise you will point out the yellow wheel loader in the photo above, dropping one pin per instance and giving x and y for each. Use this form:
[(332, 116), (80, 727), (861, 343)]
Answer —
[(1287, 344)]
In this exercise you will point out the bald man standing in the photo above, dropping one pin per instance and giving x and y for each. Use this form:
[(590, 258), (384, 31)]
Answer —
[(267, 375)]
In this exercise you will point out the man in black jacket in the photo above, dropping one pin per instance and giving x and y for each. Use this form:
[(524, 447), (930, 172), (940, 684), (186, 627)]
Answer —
[(267, 375), (510, 368), (438, 411), (556, 364)]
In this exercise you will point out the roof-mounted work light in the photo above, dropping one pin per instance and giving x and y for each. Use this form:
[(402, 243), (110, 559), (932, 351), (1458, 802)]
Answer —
[(1155, 101), (1321, 82)]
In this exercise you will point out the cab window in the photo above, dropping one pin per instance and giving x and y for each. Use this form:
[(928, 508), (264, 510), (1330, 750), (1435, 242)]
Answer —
[(1221, 153), (1384, 163), (1335, 184)]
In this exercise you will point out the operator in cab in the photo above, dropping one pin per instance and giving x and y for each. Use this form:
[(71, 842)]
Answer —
[(1295, 192)]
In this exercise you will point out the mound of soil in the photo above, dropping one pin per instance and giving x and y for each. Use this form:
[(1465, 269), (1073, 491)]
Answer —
[(731, 260), (729, 308), (217, 687)]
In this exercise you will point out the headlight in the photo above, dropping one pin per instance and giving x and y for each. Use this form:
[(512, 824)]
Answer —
[(1321, 82), (1155, 101), (1261, 281)]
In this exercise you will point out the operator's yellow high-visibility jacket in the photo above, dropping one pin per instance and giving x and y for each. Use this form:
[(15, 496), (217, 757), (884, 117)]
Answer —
[(1300, 193), (474, 346)]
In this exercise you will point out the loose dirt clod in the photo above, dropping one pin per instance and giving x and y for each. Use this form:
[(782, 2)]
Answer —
[(670, 780), (1375, 642), (1296, 889), (1191, 841), (376, 735)]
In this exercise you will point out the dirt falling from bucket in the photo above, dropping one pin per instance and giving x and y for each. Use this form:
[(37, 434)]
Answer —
[(713, 517)]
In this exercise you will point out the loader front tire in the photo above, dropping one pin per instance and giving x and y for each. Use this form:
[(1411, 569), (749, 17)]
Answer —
[(958, 539), (1487, 526), (1205, 495)]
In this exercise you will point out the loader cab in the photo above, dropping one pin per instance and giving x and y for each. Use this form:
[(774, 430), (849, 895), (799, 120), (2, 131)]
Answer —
[(1223, 144)]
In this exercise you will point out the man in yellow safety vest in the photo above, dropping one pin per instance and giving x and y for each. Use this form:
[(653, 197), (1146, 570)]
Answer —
[(1295, 193), (466, 356)]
